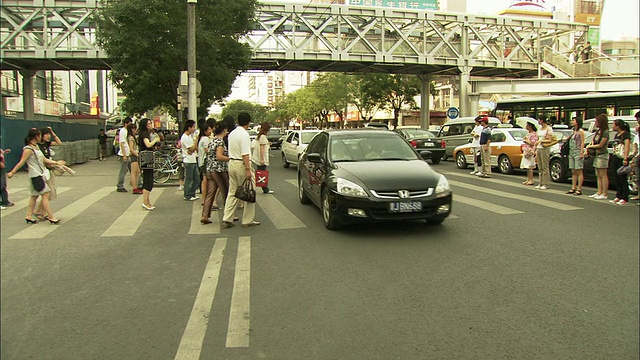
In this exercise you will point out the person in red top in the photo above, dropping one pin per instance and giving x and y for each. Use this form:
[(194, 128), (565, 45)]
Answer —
[(4, 195)]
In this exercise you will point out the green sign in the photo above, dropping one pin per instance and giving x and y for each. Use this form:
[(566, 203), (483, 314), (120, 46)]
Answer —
[(400, 4), (593, 36)]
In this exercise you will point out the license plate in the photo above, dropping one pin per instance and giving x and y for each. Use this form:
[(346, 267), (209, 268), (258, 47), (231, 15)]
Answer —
[(428, 144), (411, 206)]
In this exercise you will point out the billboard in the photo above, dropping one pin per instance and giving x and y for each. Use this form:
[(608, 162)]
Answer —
[(588, 11), (400, 4)]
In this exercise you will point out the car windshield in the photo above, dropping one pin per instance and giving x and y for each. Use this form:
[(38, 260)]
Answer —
[(370, 147), (518, 134), (417, 133), (274, 132), (307, 136)]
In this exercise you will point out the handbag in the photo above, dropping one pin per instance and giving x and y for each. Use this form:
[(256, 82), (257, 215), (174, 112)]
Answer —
[(246, 191), (146, 159), (624, 170), (262, 178), (564, 149), (549, 142), (618, 150), (38, 182)]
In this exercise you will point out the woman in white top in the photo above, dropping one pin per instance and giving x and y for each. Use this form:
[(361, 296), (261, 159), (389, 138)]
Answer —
[(37, 166), (204, 138), (542, 153), (260, 155)]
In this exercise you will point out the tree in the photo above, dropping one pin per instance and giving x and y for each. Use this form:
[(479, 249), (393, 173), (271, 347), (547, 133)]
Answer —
[(365, 93), (146, 43), (401, 89), (258, 112), (332, 91)]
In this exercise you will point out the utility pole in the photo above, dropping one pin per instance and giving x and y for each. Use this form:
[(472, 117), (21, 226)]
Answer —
[(191, 58)]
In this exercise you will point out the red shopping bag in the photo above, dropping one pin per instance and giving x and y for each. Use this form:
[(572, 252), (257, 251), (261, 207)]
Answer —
[(262, 178)]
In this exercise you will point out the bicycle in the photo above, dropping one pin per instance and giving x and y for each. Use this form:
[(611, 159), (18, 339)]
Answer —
[(165, 165)]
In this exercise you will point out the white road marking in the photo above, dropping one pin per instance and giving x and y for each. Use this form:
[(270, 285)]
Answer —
[(193, 336), (129, 222), (529, 199), (21, 204), (279, 215), (238, 330), (293, 182), (15, 190), (486, 205), (197, 227), (65, 214)]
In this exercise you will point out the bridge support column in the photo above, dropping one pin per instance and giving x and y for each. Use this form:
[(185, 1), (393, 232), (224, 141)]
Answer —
[(473, 104), (465, 75), (27, 94), (425, 96)]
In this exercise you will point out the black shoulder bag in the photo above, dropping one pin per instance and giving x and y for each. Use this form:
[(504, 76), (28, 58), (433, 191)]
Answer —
[(246, 191), (38, 181)]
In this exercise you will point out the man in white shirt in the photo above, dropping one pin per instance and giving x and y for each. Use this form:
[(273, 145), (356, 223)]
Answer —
[(475, 143), (239, 170), (190, 161), (123, 154)]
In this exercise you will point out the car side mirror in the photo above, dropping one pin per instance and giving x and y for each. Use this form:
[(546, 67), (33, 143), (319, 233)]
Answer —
[(425, 154), (314, 158), (294, 142)]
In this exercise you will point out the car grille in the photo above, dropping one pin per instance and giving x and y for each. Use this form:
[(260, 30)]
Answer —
[(395, 194)]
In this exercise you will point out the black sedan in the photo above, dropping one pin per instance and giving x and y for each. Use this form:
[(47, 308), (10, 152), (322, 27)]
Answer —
[(425, 140), (560, 172), (368, 175)]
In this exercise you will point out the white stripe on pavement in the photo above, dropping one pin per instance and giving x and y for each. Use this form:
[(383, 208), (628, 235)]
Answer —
[(65, 214), (529, 199), (129, 222), (15, 190), (486, 205), (293, 182), (238, 330), (197, 227), (279, 215), (25, 202), (193, 336)]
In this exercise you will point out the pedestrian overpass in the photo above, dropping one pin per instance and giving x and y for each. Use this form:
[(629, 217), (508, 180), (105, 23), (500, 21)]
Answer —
[(61, 35)]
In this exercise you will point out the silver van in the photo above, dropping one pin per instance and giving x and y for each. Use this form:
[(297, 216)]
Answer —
[(458, 132)]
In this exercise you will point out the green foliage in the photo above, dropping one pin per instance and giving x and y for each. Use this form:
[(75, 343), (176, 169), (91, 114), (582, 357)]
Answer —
[(146, 42), (258, 112)]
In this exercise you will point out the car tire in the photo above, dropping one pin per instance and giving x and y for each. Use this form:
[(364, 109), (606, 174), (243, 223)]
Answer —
[(504, 165), (435, 220), (557, 172), (633, 184), (435, 161), (302, 196), (329, 220), (461, 160), (285, 164)]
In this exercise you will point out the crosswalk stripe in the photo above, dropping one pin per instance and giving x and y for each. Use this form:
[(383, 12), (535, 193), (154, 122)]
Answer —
[(129, 222), (196, 227), (238, 330), (293, 182), (193, 336), (65, 214), (279, 215), (486, 205), (21, 204), (15, 190), (529, 199)]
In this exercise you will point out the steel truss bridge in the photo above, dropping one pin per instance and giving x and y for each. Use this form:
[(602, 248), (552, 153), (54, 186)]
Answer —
[(61, 35)]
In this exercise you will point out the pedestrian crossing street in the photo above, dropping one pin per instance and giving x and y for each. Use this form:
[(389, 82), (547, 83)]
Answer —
[(279, 215)]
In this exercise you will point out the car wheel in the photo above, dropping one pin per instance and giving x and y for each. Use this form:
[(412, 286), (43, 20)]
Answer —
[(302, 196), (435, 221), (633, 183), (504, 164), (461, 161), (329, 220), (435, 161), (557, 171), (445, 157), (285, 164)]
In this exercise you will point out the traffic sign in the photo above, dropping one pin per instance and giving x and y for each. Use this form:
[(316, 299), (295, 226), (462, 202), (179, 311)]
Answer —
[(453, 113)]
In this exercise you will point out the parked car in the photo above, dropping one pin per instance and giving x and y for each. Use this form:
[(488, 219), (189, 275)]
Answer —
[(252, 134), (560, 172), (370, 175), (376, 125), (273, 136), (590, 124), (294, 144), (458, 132), (424, 140), (506, 150)]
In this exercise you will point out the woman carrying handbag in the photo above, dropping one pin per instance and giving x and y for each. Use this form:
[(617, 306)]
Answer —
[(38, 174)]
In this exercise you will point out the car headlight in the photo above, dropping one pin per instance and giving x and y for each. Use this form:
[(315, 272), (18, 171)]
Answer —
[(443, 188), (348, 188)]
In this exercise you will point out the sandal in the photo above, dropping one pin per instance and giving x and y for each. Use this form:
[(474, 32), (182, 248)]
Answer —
[(578, 192), (571, 191)]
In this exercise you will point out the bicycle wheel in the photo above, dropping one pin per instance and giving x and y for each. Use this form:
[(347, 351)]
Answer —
[(160, 173)]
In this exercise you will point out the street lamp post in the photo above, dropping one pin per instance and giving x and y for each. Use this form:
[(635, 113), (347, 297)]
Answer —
[(191, 58)]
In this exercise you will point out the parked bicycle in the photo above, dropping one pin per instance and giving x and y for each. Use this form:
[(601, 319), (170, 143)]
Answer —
[(166, 165)]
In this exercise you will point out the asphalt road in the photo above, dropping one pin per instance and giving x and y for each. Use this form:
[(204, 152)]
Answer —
[(516, 273)]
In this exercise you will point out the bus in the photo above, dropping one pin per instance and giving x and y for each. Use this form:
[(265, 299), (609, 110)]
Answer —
[(560, 109)]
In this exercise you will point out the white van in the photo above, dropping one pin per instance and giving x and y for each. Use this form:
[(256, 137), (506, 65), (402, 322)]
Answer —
[(457, 132)]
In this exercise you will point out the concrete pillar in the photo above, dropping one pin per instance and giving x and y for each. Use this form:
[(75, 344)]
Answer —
[(465, 75), (473, 104), (27, 94), (425, 96)]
